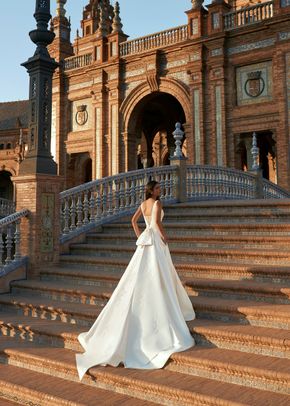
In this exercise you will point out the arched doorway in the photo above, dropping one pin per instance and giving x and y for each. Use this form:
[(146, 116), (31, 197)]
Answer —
[(6, 185), (150, 139)]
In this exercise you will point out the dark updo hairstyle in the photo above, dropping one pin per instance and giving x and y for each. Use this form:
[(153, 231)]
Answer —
[(149, 189)]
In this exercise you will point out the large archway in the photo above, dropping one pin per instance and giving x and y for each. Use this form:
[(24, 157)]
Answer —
[(6, 185), (150, 127)]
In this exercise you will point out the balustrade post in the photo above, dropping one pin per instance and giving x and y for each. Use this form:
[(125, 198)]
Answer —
[(256, 170), (180, 161)]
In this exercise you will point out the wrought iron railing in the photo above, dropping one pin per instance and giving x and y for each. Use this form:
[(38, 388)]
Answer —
[(248, 15), (10, 240), (102, 200), (76, 62), (157, 40), (6, 207), (212, 182)]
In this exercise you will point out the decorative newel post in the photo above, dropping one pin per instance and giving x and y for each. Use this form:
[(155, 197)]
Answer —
[(256, 167), (37, 184), (180, 160), (255, 154)]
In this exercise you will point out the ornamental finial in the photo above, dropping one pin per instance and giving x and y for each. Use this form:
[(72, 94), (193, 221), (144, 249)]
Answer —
[(61, 11), (103, 26), (196, 4), (178, 135), (42, 37), (117, 23)]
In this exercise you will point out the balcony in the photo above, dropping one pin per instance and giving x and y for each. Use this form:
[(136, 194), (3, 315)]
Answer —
[(249, 15), (152, 41), (76, 62)]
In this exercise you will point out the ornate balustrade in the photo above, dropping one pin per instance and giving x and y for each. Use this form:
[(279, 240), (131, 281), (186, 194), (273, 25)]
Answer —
[(102, 200), (272, 191), (6, 207), (10, 241), (75, 62), (208, 182), (159, 39), (248, 15)]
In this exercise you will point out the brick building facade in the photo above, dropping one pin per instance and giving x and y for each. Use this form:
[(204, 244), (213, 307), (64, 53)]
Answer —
[(13, 134), (223, 75)]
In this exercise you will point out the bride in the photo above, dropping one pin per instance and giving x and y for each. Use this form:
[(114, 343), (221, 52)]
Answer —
[(144, 321)]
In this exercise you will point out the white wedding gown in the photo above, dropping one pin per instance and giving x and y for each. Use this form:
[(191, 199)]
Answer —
[(143, 323)]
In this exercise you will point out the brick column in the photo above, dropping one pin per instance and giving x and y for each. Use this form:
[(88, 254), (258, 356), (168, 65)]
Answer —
[(40, 233)]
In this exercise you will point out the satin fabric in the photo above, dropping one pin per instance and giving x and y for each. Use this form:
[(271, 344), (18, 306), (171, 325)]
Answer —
[(144, 321)]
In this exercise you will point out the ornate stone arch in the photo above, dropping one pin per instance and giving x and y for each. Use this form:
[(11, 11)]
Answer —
[(167, 85), (11, 169)]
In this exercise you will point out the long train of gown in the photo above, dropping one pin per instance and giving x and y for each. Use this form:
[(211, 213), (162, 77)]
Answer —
[(143, 322)]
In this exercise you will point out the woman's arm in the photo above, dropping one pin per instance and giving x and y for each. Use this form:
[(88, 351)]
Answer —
[(159, 223), (134, 220)]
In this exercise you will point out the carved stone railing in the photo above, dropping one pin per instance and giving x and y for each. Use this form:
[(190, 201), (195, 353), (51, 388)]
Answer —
[(248, 15), (10, 241), (103, 200), (208, 182), (6, 207), (157, 40), (212, 182), (76, 62), (272, 191)]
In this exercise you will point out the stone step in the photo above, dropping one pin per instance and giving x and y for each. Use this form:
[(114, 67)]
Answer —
[(32, 387), (82, 265), (244, 338), (237, 216), (246, 256), (49, 309), (259, 371), (225, 335), (232, 289), (234, 214), (241, 290), (244, 311), (160, 386), (197, 241), (228, 205), (179, 228), (83, 314)]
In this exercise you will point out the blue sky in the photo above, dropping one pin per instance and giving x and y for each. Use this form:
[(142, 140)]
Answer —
[(140, 17)]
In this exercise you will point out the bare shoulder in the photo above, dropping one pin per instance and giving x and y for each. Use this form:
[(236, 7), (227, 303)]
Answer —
[(158, 204)]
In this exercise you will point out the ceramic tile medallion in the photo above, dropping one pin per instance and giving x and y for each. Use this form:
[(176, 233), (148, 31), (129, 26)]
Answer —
[(254, 83), (47, 221)]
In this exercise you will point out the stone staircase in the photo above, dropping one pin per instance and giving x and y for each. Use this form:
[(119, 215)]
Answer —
[(234, 259)]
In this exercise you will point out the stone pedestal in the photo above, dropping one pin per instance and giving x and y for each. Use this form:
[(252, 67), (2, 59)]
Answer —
[(259, 193), (41, 231), (181, 189)]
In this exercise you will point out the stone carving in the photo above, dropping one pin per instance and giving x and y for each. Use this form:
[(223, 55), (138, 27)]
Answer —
[(284, 36), (82, 115), (152, 81), (194, 26), (255, 84), (47, 220), (196, 4), (252, 45), (216, 52)]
